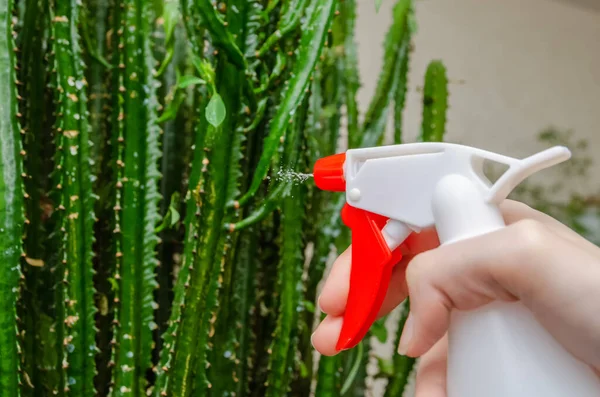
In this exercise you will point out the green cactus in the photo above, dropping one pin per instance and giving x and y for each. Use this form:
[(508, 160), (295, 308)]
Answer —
[(75, 201), (11, 207), (128, 290), (33, 308), (435, 102), (311, 43), (136, 134)]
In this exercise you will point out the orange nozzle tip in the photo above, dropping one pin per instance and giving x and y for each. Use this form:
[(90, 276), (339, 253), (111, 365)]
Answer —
[(329, 173)]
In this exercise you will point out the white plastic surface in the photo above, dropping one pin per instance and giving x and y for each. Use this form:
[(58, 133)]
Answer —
[(398, 181), (499, 350)]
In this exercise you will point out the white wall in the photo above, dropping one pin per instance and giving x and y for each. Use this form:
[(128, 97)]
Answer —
[(527, 64)]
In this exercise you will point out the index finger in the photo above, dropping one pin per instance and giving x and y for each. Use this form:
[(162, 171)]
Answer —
[(334, 295)]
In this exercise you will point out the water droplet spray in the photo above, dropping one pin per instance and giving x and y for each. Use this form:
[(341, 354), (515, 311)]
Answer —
[(287, 175)]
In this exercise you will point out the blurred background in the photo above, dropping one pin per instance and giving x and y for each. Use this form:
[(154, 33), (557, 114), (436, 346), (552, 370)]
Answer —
[(525, 75)]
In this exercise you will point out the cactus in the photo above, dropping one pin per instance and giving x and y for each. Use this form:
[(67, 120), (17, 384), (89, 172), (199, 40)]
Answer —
[(166, 252), (435, 102), (12, 196), (310, 45), (75, 201), (135, 134), (33, 307)]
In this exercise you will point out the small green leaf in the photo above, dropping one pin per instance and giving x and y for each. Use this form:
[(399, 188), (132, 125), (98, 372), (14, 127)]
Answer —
[(215, 110), (113, 283), (379, 331), (205, 70), (309, 306), (303, 370), (171, 17), (378, 5), (173, 209), (386, 367), (172, 108), (172, 216), (186, 81)]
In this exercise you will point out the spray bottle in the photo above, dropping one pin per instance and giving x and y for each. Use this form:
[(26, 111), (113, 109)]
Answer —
[(499, 350)]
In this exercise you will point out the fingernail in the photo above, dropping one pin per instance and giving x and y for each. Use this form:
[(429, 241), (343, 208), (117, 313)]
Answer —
[(407, 334), (319, 303), (311, 339)]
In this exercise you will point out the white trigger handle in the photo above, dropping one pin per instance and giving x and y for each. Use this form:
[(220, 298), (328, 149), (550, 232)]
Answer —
[(519, 170)]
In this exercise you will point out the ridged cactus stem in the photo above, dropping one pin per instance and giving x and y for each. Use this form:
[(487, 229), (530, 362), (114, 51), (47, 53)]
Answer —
[(33, 307), (395, 56), (11, 206), (136, 206), (435, 102), (76, 203), (190, 250)]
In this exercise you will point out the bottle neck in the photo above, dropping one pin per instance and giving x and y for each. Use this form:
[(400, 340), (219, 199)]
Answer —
[(460, 210)]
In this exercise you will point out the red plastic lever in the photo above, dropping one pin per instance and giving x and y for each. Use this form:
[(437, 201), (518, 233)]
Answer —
[(370, 274), (372, 260)]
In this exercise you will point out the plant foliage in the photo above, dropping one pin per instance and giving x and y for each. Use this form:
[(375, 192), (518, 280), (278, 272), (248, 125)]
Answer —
[(157, 232)]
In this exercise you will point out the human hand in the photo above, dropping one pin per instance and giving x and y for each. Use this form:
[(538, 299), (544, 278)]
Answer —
[(552, 270)]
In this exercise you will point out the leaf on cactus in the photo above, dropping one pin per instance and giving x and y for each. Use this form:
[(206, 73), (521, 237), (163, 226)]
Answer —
[(215, 110)]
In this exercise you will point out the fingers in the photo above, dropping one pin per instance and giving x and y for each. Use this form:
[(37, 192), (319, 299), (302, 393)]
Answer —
[(335, 291), (326, 335), (430, 380), (434, 300), (524, 261), (514, 211), (333, 298), (456, 276)]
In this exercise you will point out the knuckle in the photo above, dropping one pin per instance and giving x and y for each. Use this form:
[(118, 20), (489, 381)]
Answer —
[(417, 268), (531, 236)]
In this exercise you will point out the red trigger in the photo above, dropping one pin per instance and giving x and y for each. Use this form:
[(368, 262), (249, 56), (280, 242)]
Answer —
[(370, 274)]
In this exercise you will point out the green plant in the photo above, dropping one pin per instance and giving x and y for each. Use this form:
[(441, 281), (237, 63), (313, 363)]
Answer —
[(153, 160)]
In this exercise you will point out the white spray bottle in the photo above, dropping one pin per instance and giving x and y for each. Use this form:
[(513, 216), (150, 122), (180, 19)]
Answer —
[(499, 350)]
